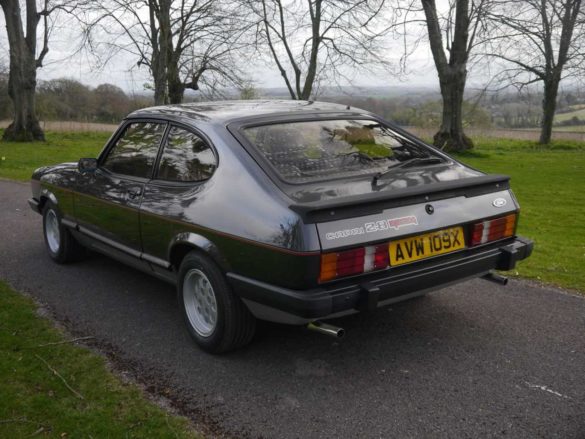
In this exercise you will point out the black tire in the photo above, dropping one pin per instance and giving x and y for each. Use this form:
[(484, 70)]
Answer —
[(234, 326), (61, 245)]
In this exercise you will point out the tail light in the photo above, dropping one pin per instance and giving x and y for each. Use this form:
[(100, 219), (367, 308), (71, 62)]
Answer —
[(365, 259), (492, 230), (351, 262)]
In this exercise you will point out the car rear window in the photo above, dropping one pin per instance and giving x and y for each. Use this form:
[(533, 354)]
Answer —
[(327, 149)]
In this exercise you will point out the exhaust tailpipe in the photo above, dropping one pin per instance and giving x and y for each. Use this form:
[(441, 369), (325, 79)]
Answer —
[(495, 277), (324, 328)]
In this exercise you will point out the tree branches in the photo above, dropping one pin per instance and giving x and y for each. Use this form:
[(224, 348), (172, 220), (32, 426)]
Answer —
[(539, 41), (184, 43), (314, 40)]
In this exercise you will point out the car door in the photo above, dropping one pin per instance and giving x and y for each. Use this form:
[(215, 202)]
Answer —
[(107, 201), (173, 197)]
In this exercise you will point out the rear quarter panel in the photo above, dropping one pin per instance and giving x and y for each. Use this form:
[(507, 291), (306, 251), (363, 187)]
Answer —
[(244, 216)]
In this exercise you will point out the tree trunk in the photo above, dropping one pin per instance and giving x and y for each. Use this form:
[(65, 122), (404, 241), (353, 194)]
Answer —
[(452, 74), (549, 105), (159, 76), (22, 79), (450, 136), (175, 85), (176, 89), (159, 38)]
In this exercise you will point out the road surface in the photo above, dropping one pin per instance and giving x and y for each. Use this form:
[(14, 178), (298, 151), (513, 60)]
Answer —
[(475, 360)]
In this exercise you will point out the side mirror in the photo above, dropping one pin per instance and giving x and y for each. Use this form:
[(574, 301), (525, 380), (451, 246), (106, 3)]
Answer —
[(87, 165)]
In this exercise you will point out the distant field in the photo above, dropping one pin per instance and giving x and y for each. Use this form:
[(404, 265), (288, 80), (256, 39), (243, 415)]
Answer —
[(529, 134), (56, 125), (573, 129), (579, 113), (559, 133)]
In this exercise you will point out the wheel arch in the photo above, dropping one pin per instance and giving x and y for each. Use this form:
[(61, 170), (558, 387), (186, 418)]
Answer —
[(185, 242), (47, 195)]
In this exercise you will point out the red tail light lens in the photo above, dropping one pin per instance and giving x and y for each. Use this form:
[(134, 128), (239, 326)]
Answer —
[(352, 262), (492, 230)]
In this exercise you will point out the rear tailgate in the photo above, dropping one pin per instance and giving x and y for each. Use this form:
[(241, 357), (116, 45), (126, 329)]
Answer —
[(341, 223), (413, 219)]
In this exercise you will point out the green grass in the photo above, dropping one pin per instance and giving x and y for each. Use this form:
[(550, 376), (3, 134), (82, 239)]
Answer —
[(33, 399), (550, 186), (18, 160)]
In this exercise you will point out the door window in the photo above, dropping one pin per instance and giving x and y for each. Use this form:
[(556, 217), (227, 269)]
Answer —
[(135, 151), (186, 157)]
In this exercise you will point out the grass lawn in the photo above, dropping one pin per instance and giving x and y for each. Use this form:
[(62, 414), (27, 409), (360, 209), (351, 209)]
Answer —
[(82, 399), (18, 160), (550, 186), (549, 183)]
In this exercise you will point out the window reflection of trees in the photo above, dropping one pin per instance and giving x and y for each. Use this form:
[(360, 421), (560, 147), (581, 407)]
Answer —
[(136, 150), (186, 157), (305, 151)]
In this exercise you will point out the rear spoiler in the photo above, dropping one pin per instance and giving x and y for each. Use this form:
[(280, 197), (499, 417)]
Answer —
[(376, 202)]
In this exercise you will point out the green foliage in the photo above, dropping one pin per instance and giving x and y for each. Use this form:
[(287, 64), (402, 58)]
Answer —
[(549, 184), (248, 92), (36, 401), (68, 99)]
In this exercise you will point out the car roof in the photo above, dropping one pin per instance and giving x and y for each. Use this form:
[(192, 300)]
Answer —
[(227, 111)]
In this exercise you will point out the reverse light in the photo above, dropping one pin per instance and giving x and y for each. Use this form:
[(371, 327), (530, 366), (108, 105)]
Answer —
[(354, 261), (492, 230)]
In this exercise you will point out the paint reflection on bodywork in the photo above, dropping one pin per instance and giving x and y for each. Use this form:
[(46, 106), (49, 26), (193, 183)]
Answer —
[(399, 180), (103, 205)]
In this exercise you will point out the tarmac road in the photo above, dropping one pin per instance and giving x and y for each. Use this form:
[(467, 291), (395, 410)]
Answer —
[(475, 360)]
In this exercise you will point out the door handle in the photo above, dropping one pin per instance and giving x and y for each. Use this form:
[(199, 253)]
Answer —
[(134, 192)]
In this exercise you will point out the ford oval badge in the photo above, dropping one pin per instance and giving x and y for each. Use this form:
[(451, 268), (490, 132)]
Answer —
[(499, 202)]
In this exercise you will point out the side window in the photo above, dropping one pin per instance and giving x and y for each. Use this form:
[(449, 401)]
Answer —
[(186, 157), (135, 151)]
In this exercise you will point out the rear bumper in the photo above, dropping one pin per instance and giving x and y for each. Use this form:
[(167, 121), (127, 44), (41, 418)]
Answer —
[(283, 305)]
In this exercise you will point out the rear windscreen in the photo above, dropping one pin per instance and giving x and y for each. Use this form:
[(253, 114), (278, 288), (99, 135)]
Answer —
[(325, 149)]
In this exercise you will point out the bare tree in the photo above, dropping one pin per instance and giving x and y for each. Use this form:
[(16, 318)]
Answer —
[(186, 44), (24, 62), (540, 41), (317, 40), (453, 32)]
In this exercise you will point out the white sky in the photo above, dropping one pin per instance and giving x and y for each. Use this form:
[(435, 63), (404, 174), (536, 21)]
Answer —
[(122, 70)]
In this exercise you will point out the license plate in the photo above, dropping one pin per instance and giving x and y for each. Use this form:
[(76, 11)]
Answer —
[(424, 246)]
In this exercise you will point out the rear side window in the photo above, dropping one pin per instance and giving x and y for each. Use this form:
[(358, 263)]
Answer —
[(135, 151), (186, 157), (319, 150)]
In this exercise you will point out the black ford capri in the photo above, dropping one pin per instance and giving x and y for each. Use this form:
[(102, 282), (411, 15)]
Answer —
[(287, 211)]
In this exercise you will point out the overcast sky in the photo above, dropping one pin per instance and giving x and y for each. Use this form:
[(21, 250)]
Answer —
[(123, 72)]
